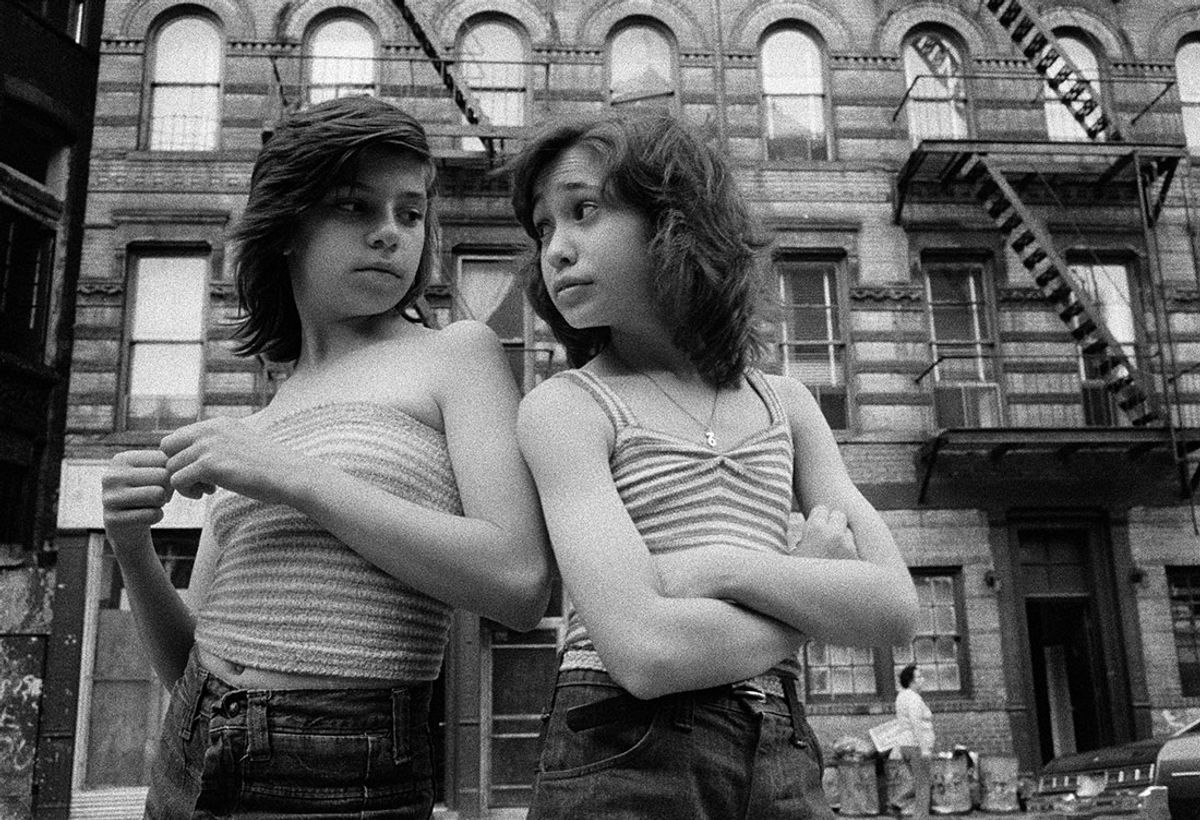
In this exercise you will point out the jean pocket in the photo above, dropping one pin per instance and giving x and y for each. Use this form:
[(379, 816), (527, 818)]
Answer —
[(601, 744)]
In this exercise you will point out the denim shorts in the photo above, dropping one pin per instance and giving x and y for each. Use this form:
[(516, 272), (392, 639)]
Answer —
[(231, 753), (722, 753)]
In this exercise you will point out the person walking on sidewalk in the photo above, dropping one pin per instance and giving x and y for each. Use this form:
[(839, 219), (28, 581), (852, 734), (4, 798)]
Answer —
[(917, 717)]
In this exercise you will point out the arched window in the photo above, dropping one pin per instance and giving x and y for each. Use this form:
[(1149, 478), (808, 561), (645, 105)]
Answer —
[(1187, 71), (185, 85), (793, 88), (937, 89), (493, 61), (1061, 125), (641, 65), (341, 52)]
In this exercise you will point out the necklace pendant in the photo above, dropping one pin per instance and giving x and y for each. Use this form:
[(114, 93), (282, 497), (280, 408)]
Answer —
[(710, 438)]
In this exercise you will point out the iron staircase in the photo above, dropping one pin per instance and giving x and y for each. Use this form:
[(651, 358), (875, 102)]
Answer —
[(1030, 241)]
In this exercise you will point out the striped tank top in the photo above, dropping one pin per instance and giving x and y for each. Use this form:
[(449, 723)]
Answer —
[(288, 596), (683, 494)]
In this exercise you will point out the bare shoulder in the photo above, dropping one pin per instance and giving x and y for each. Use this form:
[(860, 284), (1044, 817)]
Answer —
[(561, 410), (465, 339), (796, 398)]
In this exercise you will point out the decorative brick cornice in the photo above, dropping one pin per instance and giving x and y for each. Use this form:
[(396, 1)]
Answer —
[(885, 293), (1183, 297), (100, 288), (851, 60), (1019, 294)]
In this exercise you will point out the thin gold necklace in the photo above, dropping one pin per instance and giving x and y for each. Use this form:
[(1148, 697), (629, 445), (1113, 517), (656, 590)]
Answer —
[(710, 438)]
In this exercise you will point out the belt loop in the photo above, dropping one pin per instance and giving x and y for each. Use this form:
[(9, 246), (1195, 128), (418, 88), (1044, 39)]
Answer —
[(401, 720), (194, 680), (257, 728), (795, 710), (683, 711)]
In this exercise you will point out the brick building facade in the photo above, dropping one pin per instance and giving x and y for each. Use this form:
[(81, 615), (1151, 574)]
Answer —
[(982, 234)]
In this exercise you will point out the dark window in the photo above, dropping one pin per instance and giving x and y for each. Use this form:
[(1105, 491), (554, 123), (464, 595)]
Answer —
[(26, 261), (1183, 585)]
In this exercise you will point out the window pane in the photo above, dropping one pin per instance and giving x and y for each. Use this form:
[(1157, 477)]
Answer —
[(1183, 586), (839, 670), (185, 91), (492, 65), (184, 118), (937, 647), (188, 50), (936, 90), (793, 88), (1187, 71), (1061, 124), (343, 60), (640, 64), (170, 298)]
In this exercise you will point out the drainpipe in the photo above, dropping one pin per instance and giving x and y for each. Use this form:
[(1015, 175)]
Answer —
[(719, 66)]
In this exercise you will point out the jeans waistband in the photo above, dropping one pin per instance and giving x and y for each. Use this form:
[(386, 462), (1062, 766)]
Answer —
[(622, 704), (209, 698)]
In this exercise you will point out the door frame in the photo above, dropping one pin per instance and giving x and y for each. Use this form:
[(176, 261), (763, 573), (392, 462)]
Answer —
[(1108, 551)]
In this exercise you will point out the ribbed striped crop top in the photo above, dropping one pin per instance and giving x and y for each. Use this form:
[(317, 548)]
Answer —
[(683, 494), (288, 596)]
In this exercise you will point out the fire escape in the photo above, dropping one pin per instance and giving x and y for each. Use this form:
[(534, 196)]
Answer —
[(996, 174)]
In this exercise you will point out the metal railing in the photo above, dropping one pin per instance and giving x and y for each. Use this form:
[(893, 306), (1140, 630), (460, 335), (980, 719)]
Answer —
[(994, 391), (1012, 106)]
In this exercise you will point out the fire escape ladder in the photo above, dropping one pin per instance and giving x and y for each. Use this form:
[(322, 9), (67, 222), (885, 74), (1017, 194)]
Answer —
[(1041, 50), (461, 94), (1030, 241)]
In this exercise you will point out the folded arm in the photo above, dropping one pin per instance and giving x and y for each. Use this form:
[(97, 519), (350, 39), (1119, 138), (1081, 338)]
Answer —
[(650, 642), (865, 600)]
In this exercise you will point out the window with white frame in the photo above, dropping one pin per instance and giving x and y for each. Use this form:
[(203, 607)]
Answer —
[(835, 672), (811, 345), (493, 61), (793, 88), (341, 58), (1106, 285), (641, 65), (1061, 125), (185, 85), (1187, 73), (488, 290), (936, 102), (166, 340), (962, 347)]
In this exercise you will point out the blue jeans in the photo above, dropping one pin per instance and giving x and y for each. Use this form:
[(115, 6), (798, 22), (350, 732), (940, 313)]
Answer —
[(233, 753), (718, 753)]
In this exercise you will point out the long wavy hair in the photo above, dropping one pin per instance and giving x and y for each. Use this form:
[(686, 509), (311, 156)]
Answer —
[(704, 247), (308, 153)]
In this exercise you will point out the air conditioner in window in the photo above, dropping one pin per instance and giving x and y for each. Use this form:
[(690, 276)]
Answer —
[(966, 405)]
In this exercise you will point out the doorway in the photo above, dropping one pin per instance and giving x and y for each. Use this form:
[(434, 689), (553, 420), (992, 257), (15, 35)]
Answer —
[(1068, 681), (1075, 671)]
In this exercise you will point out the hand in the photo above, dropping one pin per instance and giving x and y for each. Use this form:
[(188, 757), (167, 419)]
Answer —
[(134, 489), (825, 534), (225, 452)]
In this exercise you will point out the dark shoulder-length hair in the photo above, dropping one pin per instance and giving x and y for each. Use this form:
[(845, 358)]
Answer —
[(704, 247), (308, 153)]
